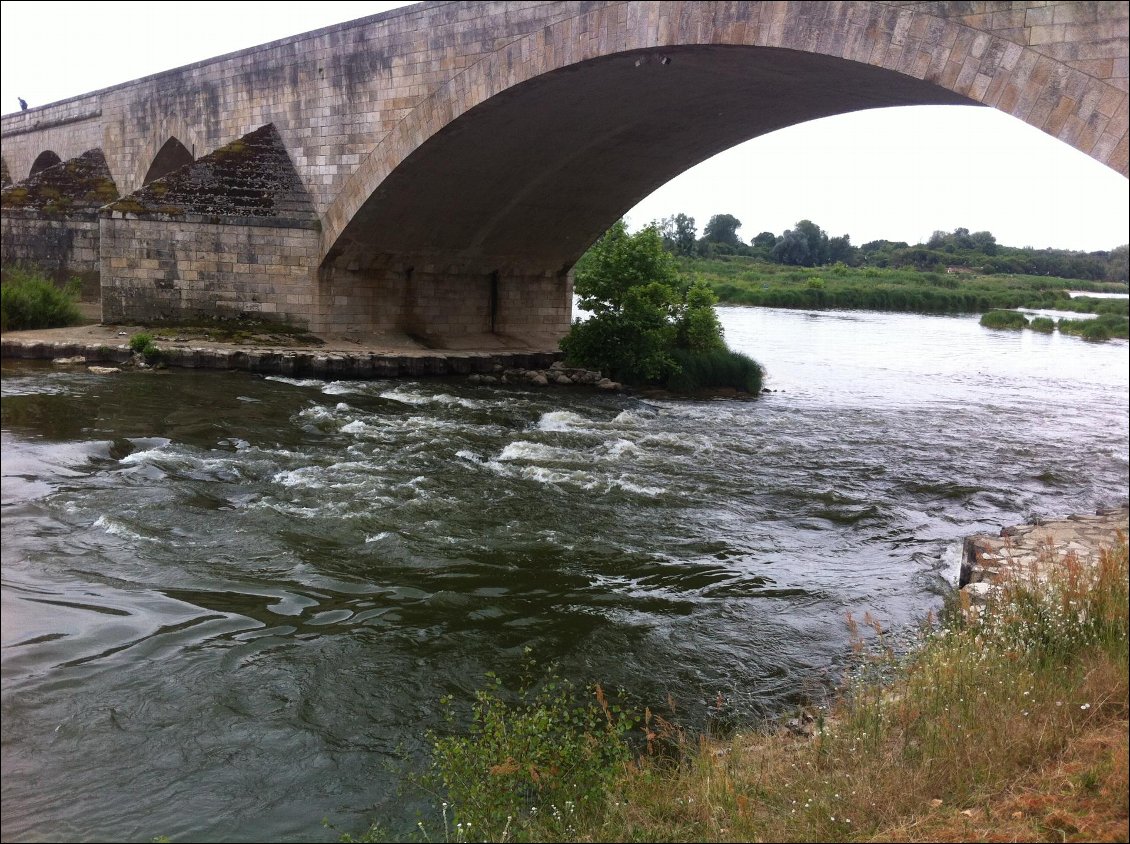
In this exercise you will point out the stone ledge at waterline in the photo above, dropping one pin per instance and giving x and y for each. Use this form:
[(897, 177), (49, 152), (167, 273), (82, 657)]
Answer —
[(302, 363), (1028, 551)]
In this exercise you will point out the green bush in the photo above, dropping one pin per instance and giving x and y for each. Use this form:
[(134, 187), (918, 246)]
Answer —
[(1004, 319), (142, 344), (29, 300), (643, 314), (1042, 324), (531, 766), (139, 342)]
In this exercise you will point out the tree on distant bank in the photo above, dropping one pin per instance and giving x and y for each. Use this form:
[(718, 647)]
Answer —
[(764, 240), (723, 228), (679, 234), (1118, 265), (792, 248)]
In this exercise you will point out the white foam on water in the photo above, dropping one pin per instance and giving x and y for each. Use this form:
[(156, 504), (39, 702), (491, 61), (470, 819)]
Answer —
[(384, 534), (146, 455), (561, 420), (531, 451), (340, 388), (306, 477), (355, 427), (628, 486), (622, 450), (117, 529), (296, 382), (317, 413), (403, 394)]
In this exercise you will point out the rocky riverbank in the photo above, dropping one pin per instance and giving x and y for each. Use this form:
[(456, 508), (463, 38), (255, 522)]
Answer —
[(1031, 550)]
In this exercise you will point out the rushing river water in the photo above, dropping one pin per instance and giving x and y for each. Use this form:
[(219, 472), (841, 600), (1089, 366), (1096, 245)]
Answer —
[(232, 603)]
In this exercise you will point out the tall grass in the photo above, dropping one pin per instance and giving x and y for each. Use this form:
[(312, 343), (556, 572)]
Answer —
[(969, 741), (1100, 328), (1004, 319), (717, 368)]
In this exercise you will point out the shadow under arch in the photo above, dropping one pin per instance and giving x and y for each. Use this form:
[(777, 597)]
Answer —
[(47, 158), (530, 177), (172, 156)]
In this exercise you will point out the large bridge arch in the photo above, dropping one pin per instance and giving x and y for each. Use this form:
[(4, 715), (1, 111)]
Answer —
[(785, 62)]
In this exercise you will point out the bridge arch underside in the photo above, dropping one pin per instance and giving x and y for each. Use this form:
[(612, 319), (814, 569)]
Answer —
[(487, 216)]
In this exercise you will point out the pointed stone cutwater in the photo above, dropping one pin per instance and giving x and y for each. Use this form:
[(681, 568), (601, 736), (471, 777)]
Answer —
[(250, 177), (50, 220), (79, 186), (232, 234)]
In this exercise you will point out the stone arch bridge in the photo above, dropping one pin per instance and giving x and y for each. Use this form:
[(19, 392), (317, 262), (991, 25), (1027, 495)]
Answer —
[(437, 170)]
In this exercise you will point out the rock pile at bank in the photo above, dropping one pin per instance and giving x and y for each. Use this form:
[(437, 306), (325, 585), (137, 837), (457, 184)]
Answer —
[(558, 373), (1031, 550)]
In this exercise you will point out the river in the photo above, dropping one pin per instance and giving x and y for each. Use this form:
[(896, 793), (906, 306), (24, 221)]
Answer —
[(232, 603)]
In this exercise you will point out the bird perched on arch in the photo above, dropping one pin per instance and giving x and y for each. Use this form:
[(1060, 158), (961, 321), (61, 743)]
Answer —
[(23, 103)]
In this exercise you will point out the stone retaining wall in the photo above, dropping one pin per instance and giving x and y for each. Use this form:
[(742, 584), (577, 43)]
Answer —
[(182, 268), (59, 246)]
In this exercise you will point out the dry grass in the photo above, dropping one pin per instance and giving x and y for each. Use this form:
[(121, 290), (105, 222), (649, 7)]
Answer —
[(1007, 725)]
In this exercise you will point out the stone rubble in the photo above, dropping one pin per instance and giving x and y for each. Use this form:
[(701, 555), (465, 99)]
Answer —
[(557, 373), (1030, 550)]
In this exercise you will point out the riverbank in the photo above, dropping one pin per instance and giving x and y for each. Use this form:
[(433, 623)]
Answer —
[(1008, 722)]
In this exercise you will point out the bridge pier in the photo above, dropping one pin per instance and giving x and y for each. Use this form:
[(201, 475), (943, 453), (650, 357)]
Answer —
[(445, 304)]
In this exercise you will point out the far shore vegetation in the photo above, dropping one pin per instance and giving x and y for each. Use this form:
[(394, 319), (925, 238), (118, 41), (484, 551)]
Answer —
[(1006, 722)]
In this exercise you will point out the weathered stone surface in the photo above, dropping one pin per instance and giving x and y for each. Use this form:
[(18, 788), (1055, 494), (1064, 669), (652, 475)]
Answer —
[(333, 364), (1029, 550), (50, 219), (82, 184), (250, 177)]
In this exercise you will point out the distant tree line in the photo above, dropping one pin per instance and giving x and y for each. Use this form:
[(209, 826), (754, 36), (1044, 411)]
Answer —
[(808, 245)]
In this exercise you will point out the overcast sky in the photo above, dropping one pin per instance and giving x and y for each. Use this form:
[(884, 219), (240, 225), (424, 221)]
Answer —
[(888, 173)]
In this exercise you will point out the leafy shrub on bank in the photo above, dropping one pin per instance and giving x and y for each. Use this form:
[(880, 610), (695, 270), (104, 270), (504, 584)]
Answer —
[(28, 300), (1004, 319), (533, 766), (142, 344), (646, 321)]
